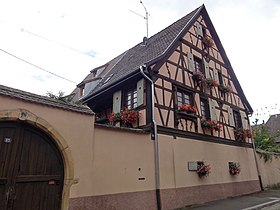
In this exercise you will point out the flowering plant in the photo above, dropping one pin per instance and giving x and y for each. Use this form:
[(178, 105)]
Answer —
[(211, 124), (203, 169), (211, 82), (125, 117), (114, 117), (198, 76), (234, 168), (208, 41), (225, 89), (187, 108), (240, 134), (129, 116)]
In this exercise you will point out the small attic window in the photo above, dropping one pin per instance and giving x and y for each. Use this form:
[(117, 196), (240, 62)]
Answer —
[(107, 80)]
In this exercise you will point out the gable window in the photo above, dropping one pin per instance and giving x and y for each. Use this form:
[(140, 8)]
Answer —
[(237, 119), (197, 64), (131, 98), (204, 106)]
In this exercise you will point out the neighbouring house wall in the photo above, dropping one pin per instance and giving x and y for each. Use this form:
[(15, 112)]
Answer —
[(269, 171), (181, 187)]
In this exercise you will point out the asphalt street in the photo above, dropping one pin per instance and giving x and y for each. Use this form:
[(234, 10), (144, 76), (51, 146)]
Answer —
[(265, 200)]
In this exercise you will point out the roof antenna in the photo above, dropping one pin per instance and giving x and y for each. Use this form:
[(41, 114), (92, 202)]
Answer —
[(147, 14)]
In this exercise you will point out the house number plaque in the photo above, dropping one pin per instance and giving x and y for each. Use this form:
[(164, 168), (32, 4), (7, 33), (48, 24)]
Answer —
[(7, 140)]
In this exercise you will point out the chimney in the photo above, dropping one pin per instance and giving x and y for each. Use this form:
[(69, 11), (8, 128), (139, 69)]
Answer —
[(145, 41)]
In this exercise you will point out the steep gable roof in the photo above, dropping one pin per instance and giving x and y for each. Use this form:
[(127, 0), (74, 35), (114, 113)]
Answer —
[(158, 46), (140, 54)]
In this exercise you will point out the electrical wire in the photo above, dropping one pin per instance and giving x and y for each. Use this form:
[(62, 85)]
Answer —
[(38, 67)]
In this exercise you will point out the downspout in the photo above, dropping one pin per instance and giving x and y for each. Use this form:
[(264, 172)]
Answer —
[(257, 165), (256, 159), (154, 136)]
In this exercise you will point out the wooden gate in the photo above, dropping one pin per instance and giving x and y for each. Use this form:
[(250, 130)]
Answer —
[(31, 169)]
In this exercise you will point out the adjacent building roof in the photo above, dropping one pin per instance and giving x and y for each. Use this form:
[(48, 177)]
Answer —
[(157, 47), (273, 125), (30, 97)]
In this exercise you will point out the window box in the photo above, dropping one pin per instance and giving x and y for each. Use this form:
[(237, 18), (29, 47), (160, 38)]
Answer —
[(211, 83), (241, 134), (198, 76), (124, 119), (225, 89), (211, 125)]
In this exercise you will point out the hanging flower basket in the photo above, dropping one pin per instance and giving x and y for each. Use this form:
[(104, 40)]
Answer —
[(211, 124), (202, 169), (234, 168), (187, 108)]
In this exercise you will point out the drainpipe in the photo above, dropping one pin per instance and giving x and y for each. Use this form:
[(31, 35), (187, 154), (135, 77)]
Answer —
[(257, 165), (154, 136)]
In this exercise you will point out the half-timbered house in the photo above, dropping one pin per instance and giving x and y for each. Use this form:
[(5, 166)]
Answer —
[(181, 82), (190, 70)]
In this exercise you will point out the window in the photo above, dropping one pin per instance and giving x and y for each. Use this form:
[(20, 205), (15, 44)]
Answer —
[(197, 64), (183, 98), (237, 119), (220, 77), (205, 112), (131, 99)]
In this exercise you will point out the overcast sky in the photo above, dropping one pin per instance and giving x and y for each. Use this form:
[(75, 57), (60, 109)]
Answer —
[(69, 38)]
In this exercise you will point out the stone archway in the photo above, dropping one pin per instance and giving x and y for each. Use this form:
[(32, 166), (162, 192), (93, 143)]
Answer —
[(28, 117)]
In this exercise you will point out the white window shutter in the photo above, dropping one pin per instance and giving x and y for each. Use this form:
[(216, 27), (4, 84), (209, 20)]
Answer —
[(206, 69), (212, 109), (230, 117), (216, 75), (244, 120), (140, 92), (199, 29), (190, 61), (117, 96)]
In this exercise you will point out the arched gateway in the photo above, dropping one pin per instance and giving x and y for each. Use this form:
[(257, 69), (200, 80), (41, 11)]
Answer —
[(31, 168), (36, 170)]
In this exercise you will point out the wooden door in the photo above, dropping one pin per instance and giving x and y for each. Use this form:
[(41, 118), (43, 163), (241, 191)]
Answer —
[(31, 169)]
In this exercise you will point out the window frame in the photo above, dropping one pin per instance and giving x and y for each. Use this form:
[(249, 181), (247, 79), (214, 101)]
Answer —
[(204, 108), (198, 64), (237, 119), (130, 103), (184, 100)]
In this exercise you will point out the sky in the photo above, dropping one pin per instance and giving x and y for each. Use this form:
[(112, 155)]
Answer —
[(50, 46)]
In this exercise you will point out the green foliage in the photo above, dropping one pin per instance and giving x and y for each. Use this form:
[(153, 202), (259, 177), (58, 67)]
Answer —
[(265, 141), (60, 96)]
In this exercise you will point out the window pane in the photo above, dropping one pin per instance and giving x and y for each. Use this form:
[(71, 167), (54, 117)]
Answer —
[(187, 99)]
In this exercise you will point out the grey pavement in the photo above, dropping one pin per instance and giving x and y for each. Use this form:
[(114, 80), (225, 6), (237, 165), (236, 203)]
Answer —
[(265, 200)]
